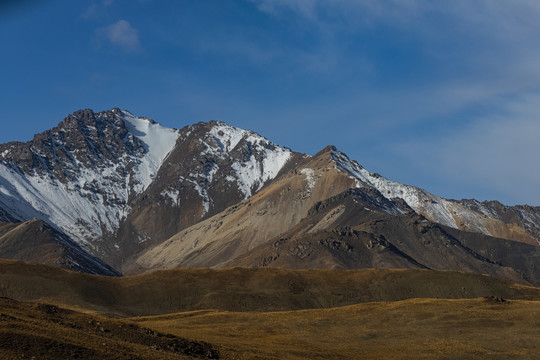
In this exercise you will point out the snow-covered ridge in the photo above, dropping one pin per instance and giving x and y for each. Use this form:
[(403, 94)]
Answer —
[(261, 162), (158, 141), (470, 215), (419, 200)]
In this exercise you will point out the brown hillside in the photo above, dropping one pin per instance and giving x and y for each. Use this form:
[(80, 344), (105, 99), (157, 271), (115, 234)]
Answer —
[(240, 289), (272, 211), (36, 241), (41, 331)]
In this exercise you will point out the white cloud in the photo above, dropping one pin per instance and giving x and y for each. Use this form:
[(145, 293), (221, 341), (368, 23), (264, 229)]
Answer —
[(121, 34)]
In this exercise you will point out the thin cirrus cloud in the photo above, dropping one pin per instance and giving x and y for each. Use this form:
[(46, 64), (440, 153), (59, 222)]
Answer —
[(498, 154), (96, 8), (485, 51), (122, 35)]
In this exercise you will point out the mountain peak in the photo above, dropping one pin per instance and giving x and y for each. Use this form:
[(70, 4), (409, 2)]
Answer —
[(82, 174)]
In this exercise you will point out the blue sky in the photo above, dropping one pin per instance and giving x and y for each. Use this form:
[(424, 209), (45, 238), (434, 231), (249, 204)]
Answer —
[(444, 95)]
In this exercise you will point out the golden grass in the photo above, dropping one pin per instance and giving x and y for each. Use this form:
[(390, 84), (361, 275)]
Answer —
[(410, 329)]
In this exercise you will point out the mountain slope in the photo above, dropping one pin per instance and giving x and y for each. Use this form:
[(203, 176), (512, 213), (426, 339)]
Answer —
[(212, 167), (272, 211), (303, 219), (36, 241), (403, 241), (519, 223)]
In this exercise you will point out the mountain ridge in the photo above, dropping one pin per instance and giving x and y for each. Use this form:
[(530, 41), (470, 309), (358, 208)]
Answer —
[(127, 189)]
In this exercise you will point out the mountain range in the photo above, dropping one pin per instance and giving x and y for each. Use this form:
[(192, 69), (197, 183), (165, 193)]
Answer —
[(111, 193)]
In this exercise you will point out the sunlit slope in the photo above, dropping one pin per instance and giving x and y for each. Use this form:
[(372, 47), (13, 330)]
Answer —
[(410, 329)]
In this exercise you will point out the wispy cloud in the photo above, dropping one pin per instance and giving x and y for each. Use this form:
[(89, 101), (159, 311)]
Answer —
[(483, 76), (121, 34), (498, 153), (96, 8)]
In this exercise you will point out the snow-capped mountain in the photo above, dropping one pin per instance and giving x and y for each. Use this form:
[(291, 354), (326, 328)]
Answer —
[(85, 176), (140, 196), (81, 175), (213, 166), (328, 211)]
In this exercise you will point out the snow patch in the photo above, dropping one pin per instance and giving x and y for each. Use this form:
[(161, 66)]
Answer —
[(173, 195), (158, 141), (264, 162), (227, 136), (309, 177), (4, 191), (253, 174)]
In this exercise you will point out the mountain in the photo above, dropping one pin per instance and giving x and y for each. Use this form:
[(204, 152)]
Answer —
[(81, 175), (140, 197), (328, 213), (213, 166), (95, 178), (273, 210), (520, 223)]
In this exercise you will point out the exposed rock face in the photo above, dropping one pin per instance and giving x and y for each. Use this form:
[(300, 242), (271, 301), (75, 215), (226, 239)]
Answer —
[(82, 175), (83, 140)]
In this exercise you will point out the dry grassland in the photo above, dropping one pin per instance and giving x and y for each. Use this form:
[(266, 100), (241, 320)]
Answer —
[(410, 329), (265, 314)]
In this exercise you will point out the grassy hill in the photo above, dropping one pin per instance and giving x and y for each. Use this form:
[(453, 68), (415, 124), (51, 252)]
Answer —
[(241, 289)]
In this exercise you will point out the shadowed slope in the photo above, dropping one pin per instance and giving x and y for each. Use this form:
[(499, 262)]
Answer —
[(241, 289), (348, 231), (37, 241)]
